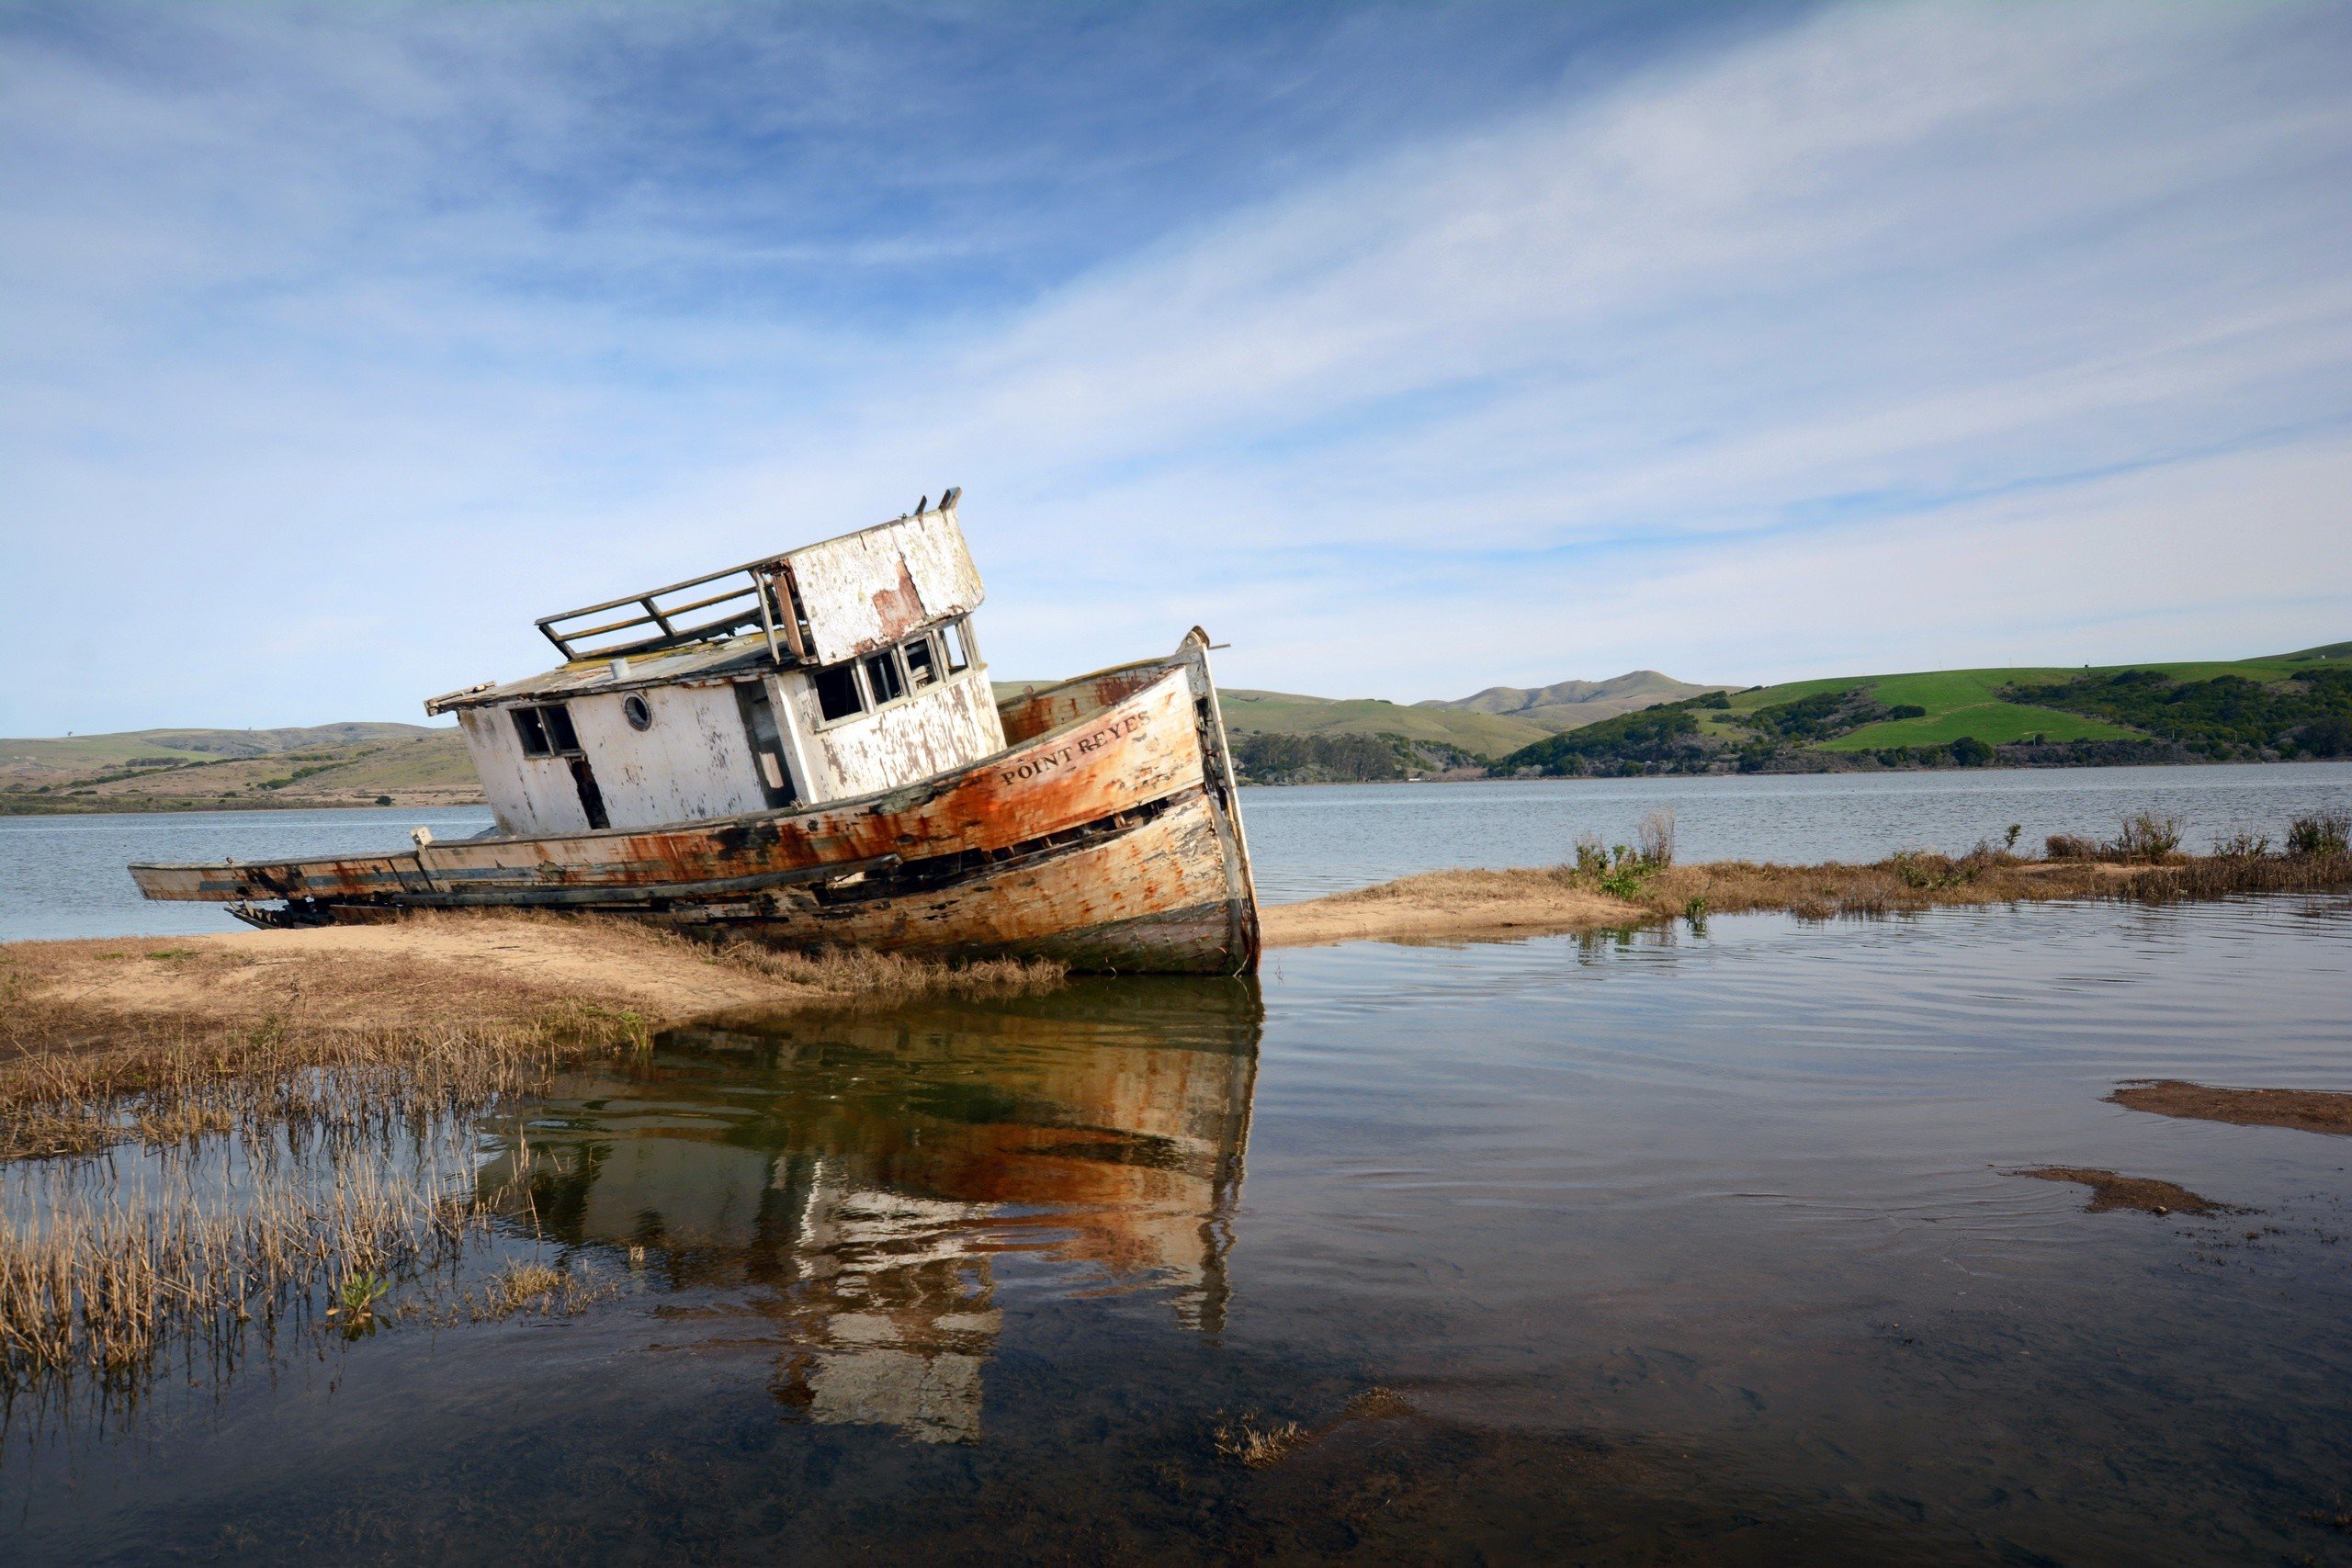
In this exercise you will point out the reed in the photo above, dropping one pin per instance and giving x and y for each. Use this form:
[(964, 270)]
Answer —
[(892, 978), (105, 1266), (537, 1287)]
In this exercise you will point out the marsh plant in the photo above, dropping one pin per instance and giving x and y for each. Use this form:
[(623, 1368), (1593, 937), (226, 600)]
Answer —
[(122, 1268), (1654, 840), (2323, 835), (2146, 838), (1622, 870), (110, 1264), (2146, 835)]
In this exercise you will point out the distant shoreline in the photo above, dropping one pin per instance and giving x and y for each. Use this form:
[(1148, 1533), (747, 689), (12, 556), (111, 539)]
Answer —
[(1530, 776), (135, 807)]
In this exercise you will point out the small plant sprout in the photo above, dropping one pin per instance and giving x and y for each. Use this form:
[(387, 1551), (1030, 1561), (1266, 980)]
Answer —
[(355, 1300), (2009, 839)]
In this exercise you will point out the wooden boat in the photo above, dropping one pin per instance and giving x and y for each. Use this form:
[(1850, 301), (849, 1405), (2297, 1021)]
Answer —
[(806, 751)]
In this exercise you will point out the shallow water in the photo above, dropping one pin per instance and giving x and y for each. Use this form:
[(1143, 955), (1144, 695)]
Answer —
[(63, 876), (1677, 1246), (1315, 838)]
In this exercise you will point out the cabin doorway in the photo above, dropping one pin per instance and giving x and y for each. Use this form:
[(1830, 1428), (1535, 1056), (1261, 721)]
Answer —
[(591, 799), (767, 744)]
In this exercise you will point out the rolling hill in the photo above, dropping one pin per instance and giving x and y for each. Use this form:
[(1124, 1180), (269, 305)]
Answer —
[(1251, 712), (2272, 707), (1571, 704), (167, 770)]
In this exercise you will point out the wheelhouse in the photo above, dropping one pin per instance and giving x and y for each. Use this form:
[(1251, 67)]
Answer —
[(838, 669)]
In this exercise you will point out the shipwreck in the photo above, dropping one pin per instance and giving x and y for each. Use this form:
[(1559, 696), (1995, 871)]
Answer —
[(806, 751)]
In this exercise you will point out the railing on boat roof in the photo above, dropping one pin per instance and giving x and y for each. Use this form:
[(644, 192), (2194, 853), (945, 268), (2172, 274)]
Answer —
[(763, 598)]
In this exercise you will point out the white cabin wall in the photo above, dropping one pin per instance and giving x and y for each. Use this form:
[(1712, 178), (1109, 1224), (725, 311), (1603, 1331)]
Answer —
[(527, 795), (940, 728), (693, 763)]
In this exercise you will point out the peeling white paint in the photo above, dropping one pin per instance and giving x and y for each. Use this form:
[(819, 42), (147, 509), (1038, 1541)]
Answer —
[(855, 590)]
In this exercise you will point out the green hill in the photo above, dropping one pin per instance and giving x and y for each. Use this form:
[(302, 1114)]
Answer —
[(2280, 706)]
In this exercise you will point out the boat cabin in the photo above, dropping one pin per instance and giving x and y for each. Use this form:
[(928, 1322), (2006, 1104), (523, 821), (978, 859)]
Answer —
[(842, 669)]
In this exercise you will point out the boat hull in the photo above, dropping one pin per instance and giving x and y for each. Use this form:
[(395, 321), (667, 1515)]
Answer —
[(1107, 836)]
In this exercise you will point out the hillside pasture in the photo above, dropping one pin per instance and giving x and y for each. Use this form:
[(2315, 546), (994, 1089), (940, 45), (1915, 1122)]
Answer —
[(1993, 722)]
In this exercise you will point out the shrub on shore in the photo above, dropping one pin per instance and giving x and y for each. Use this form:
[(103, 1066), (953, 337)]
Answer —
[(2320, 835), (2144, 836)]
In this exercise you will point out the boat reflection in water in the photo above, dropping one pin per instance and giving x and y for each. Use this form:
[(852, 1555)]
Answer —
[(855, 1184)]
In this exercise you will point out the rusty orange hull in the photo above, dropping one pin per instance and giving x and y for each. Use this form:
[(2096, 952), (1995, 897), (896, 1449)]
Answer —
[(1107, 834)]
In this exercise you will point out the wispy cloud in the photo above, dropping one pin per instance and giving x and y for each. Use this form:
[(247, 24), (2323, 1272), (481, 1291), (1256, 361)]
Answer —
[(1889, 336)]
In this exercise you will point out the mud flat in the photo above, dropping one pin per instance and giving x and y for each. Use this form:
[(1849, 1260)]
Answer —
[(2146, 1194), (1458, 906), (2306, 1110)]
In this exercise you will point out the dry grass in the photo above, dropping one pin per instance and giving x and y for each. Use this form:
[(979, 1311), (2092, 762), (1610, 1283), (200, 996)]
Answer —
[(1599, 895), (537, 1287), (891, 977), (1241, 1437)]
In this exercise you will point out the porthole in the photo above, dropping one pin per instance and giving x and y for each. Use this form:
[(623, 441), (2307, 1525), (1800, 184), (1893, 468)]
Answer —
[(639, 713)]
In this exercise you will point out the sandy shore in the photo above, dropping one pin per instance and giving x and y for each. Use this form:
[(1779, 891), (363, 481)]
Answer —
[(1458, 905)]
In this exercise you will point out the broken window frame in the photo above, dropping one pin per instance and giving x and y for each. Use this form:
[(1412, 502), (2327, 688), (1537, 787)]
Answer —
[(924, 674), (955, 639), (816, 679), (546, 730), (885, 662), (531, 731), (562, 735)]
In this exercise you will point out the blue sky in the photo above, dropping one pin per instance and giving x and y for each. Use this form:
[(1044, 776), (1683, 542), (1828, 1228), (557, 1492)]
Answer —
[(1412, 348)]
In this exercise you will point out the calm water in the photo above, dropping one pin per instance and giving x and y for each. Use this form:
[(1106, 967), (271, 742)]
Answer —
[(64, 875), (1317, 838), (1679, 1247)]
